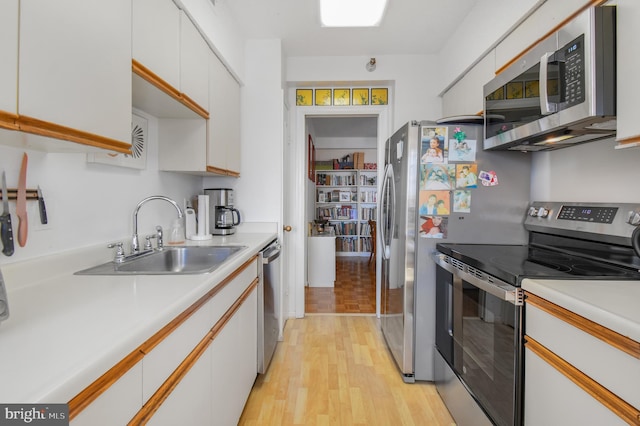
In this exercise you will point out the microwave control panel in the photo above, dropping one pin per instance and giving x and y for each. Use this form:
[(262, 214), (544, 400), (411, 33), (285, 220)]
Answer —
[(571, 63)]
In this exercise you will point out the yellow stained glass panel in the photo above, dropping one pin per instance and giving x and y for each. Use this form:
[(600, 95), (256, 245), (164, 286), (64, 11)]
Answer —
[(379, 97), (323, 97)]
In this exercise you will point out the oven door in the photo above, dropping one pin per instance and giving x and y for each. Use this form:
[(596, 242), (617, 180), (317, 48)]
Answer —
[(483, 318)]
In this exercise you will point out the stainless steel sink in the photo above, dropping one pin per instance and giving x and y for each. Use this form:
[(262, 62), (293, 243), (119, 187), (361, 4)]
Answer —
[(170, 260)]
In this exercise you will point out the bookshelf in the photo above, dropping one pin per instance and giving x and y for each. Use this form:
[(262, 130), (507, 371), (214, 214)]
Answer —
[(348, 200)]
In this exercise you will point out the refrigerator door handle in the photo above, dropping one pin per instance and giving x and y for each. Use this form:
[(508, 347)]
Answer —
[(384, 212)]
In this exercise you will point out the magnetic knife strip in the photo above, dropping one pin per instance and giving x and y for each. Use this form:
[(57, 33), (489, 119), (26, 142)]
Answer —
[(32, 194)]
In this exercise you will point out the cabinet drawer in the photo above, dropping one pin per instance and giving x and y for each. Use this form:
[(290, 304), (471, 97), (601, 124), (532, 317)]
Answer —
[(232, 292), (163, 359), (566, 404), (611, 367), (117, 404)]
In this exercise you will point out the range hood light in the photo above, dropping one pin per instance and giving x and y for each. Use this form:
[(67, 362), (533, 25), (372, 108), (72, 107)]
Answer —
[(555, 139)]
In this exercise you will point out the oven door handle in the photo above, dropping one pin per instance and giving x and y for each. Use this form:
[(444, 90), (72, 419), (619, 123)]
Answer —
[(498, 288)]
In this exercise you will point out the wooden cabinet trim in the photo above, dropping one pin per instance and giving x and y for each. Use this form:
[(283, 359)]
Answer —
[(631, 140), (156, 400), (100, 385), (52, 130), (152, 78), (104, 382), (617, 340), (165, 331), (610, 400), (8, 120), (587, 5), (225, 172)]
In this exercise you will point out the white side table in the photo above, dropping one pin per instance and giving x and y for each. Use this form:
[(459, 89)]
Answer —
[(321, 261)]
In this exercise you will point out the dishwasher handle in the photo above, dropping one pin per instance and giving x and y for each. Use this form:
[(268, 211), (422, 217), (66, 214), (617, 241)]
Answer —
[(271, 253)]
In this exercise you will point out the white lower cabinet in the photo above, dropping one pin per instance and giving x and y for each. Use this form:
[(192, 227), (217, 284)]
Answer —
[(552, 399), (196, 370), (117, 405), (234, 363), (577, 372), (190, 401)]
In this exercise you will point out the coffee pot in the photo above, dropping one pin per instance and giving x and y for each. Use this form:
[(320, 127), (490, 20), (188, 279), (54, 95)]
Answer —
[(223, 215)]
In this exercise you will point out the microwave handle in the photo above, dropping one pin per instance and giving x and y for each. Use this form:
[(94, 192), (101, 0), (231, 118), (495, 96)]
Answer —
[(546, 108)]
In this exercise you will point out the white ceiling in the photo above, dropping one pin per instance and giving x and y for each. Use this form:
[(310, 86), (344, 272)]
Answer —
[(408, 27)]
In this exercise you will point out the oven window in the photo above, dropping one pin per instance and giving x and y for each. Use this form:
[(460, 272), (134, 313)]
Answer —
[(485, 349)]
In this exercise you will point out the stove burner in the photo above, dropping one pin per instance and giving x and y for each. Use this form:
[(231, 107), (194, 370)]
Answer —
[(556, 266), (596, 269)]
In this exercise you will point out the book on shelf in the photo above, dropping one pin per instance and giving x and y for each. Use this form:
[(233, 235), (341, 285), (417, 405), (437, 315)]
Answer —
[(368, 213)]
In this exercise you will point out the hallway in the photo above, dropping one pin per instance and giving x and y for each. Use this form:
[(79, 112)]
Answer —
[(336, 370), (354, 291)]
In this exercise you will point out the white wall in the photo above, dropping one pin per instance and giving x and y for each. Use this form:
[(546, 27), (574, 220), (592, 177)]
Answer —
[(594, 171), (414, 80), (89, 203)]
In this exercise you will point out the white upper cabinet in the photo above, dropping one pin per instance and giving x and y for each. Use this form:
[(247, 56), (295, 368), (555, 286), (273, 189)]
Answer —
[(223, 150), (156, 38), (75, 66), (627, 71), (9, 63), (194, 63), (465, 97)]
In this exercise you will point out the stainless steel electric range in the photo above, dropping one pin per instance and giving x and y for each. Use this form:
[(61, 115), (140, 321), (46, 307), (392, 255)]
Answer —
[(479, 315)]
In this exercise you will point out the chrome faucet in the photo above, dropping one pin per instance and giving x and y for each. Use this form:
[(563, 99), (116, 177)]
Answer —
[(135, 243)]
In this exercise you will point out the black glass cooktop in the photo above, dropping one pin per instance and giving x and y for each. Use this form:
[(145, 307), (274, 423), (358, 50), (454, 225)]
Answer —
[(512, 263)]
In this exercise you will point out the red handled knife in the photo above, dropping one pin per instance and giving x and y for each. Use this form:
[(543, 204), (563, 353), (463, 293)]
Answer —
[(21, 203)]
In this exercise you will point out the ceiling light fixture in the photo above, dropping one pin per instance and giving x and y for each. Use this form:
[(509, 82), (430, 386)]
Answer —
[(371, 65), (352, 13)]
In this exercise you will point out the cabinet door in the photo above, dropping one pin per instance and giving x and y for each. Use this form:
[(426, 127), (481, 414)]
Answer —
[(234, 363), (194, 63), (117, 405), (160, 362), (156, 38), (566, 404), (628, 63), (190, 402), (75, 65), (9, 63), (224, 122)]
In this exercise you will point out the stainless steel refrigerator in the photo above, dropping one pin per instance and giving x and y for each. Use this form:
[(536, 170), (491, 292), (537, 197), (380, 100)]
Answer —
[(487, 212)]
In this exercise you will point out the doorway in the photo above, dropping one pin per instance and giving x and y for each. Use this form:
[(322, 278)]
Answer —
[(299, 186)]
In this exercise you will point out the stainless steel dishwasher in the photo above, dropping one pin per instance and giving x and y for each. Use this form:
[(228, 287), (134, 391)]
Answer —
[(268, 303)]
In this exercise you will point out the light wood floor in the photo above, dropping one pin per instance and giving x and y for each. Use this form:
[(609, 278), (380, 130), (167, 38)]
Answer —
[(336, 370), (354, 291)]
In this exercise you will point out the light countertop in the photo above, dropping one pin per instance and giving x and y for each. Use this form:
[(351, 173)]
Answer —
[(66, 330), (613, 304)]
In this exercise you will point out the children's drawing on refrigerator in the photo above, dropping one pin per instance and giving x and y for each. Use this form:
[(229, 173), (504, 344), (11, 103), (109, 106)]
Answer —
[(462, 201), (437, 176), (433, 226), (434, 203), (467, 175), (432, 145), (461, 148)]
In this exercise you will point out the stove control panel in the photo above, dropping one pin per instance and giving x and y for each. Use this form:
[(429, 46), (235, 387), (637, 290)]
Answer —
[(604, 222), (588, 213)]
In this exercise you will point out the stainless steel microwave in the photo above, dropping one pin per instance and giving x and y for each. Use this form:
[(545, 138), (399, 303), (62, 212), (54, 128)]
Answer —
[(560, 93)]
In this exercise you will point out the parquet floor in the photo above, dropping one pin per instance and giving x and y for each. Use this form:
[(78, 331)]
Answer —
[(354, 291), (336, 370)]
